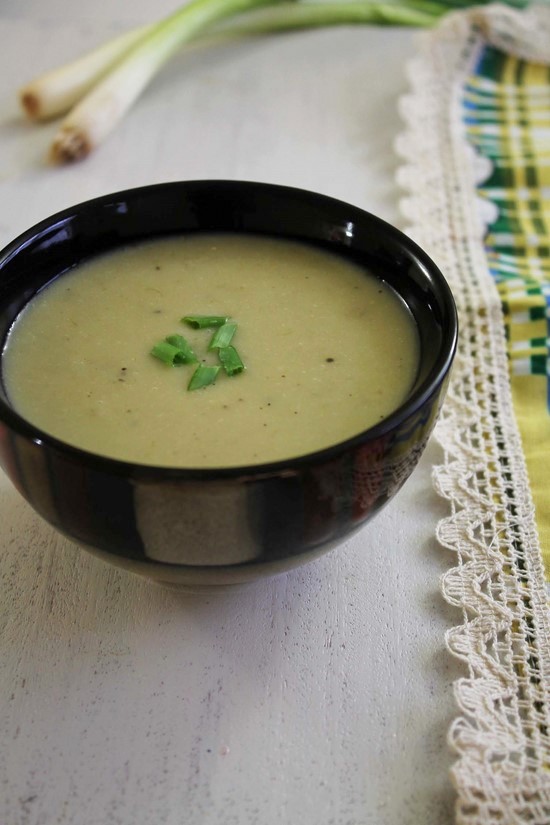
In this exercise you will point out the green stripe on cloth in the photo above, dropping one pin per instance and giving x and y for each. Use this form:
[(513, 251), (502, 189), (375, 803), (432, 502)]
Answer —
[(506, 113)]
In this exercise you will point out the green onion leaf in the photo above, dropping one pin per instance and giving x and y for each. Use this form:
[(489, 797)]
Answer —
[(223, 335), (203, 376), (165, 352), (185, 353), (204, 321), (231, 361)]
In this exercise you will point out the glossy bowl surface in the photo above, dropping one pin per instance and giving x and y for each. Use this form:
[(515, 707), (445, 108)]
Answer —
[(202, 527)]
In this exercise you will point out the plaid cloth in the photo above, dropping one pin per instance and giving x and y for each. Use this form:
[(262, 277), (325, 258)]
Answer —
[(506, 106)]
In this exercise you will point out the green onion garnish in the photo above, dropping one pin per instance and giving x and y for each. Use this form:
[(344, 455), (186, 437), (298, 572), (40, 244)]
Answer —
[(223, 335), (165, 352), (230, 360), (175, 350), (203, 376), (204, 321), (185, 353)]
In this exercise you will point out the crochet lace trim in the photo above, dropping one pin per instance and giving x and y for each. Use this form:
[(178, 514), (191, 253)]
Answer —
[(502, 734)]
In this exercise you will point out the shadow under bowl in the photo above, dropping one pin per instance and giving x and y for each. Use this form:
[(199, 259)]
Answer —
[(224, 526)]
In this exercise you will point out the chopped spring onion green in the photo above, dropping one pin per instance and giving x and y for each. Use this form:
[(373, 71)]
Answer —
[(166, 352), (204, 321), (185, 352), (230, 360), (175, 350), (203, 376), (223, 335)]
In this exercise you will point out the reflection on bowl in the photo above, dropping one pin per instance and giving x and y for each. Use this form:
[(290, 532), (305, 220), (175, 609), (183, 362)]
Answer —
[(223, 526)]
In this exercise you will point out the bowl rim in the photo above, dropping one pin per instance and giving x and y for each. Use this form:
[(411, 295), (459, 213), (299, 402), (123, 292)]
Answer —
[(247, 472)]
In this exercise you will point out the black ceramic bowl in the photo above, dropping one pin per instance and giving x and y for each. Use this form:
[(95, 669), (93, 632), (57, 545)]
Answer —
[(255, 520)]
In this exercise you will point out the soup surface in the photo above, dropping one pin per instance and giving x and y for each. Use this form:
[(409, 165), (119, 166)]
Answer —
[(329, 351)]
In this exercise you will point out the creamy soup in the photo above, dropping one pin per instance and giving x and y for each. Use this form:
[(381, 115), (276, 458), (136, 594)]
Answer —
[(328, 349)]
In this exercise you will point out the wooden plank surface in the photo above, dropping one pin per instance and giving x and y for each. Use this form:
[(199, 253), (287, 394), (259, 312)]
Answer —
[(321, 696)]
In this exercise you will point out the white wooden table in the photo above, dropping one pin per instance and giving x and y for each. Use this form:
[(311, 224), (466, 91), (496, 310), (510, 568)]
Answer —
[(322, 696)]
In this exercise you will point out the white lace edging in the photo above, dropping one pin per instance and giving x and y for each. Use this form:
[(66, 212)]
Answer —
[(502, 735)]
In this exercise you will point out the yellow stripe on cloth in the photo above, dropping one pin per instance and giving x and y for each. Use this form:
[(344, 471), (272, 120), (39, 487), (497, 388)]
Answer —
[(529, 397), (507, 119)]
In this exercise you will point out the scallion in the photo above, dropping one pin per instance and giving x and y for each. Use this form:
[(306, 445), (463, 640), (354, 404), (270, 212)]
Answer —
[(230, 360), (203, 376), (223, 335), (98, 112), (57, 91), (204, 321), (185, 351), (305, 15), (165, 352), (103, 84)]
